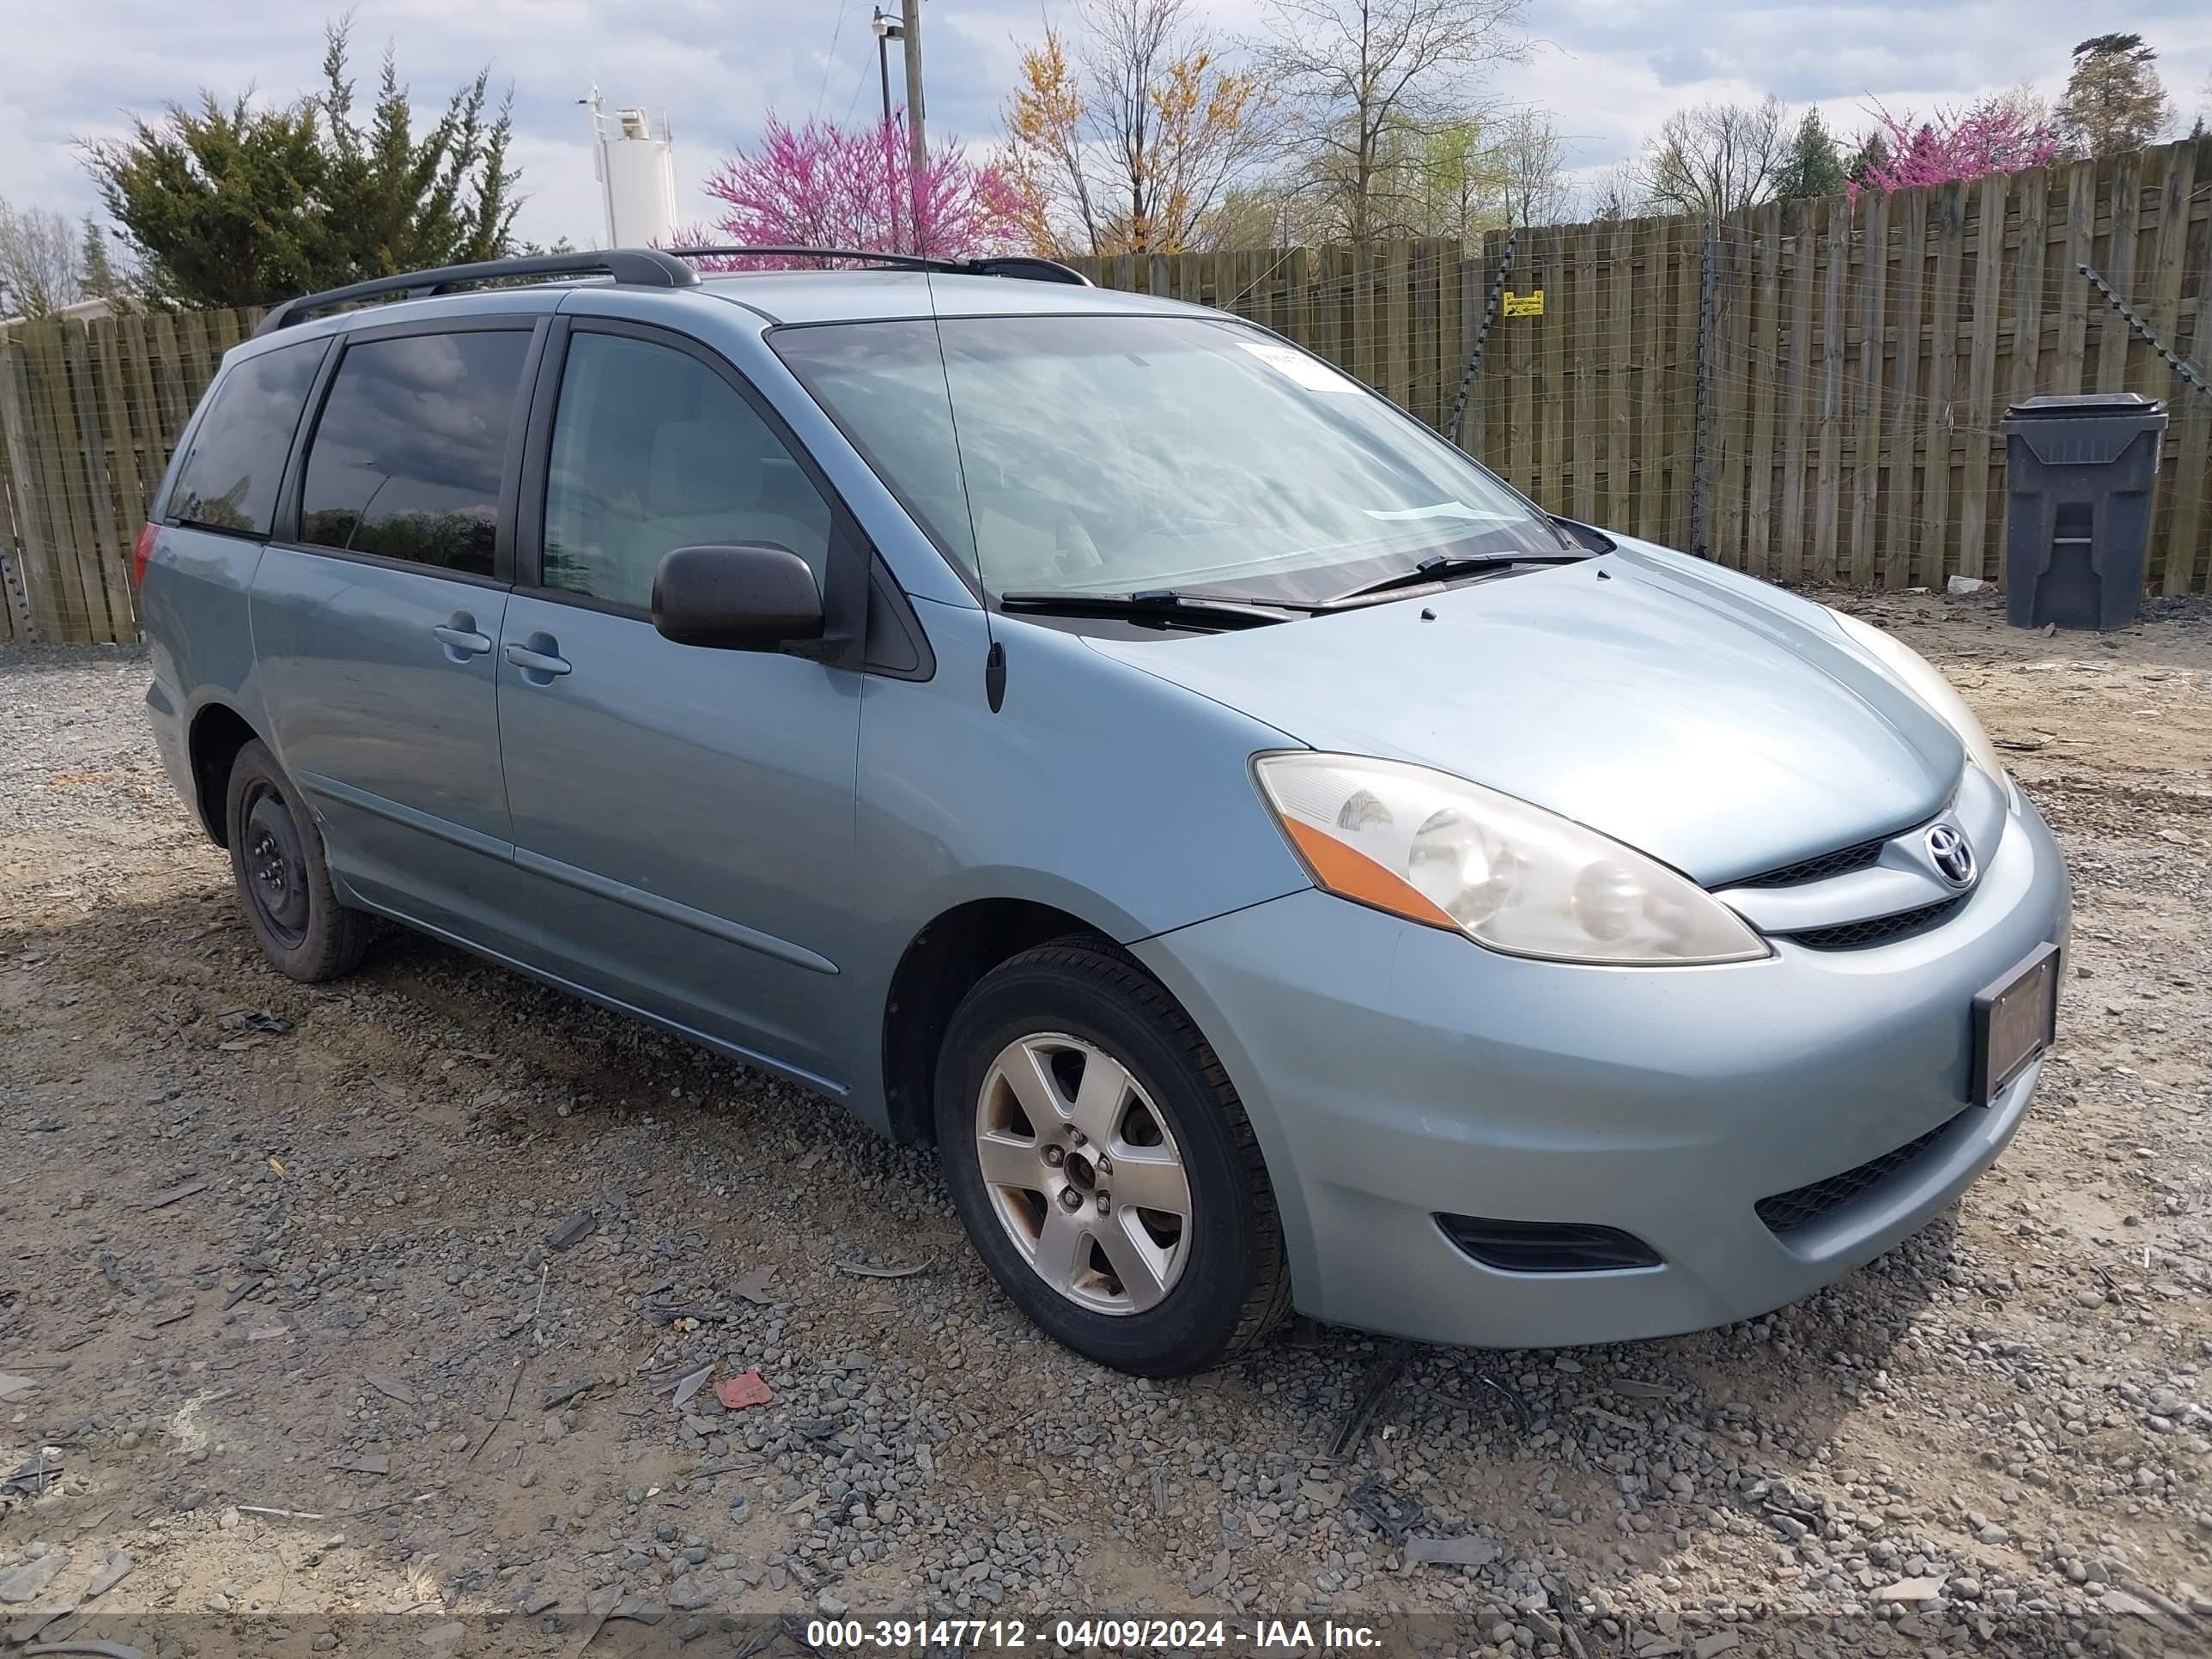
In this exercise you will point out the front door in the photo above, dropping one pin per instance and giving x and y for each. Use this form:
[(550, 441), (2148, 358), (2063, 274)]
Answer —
[(376, 619), (686, 813)]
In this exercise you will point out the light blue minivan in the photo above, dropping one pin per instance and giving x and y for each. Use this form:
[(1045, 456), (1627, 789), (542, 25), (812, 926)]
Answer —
[(1280, 865)]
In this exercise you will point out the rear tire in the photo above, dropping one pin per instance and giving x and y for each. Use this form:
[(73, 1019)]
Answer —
[(283, 880), (1100, 1110)]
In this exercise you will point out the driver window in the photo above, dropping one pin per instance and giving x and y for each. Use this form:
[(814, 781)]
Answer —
[(652, 451)]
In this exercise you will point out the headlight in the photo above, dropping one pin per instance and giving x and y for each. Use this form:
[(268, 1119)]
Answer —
[(1438, 849), (1926, 681)]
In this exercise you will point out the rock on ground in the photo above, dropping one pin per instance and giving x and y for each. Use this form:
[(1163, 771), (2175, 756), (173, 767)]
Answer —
[(320, 1344)]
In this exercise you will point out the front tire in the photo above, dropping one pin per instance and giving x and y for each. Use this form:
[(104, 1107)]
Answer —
[(282, 878), (1104, 1167)]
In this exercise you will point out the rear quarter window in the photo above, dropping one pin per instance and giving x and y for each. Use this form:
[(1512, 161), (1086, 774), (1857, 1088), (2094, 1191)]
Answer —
[(228, 477)]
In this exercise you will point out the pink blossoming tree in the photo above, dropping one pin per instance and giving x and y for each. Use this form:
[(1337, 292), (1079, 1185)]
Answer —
[(1996, 136), (821, 185)]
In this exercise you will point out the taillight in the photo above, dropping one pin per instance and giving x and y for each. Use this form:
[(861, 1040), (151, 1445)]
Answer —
[(140, 552)]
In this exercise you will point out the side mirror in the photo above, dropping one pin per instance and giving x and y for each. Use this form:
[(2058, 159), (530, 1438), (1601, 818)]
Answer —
[(745, 596)]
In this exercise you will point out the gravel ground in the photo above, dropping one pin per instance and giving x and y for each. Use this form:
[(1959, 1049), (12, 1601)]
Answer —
[(379, 1298)]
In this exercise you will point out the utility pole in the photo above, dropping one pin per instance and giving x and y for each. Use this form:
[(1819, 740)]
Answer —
[(917, 146), (888, 29)]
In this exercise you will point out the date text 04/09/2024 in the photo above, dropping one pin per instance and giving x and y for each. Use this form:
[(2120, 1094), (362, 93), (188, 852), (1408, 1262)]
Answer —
[(892, 1635)]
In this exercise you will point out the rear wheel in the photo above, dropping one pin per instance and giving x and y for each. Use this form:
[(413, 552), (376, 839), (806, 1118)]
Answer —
[(1103, 1164), (283, 882)]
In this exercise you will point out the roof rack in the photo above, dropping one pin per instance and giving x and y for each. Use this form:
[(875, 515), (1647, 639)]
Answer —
[(645, 267), (640, 267), (1021, 265)]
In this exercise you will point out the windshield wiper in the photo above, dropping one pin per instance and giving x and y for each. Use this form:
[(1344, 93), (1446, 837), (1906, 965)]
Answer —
[(1164, 605), (1442, 568)]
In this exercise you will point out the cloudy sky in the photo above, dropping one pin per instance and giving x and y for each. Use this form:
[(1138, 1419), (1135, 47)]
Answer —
[(1609, 72)]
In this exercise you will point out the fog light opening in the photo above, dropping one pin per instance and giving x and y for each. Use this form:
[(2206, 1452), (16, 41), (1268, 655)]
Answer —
[(1546, 1246)]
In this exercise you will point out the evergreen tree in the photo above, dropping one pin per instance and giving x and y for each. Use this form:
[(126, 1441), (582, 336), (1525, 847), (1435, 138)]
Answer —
[(1872, 153), (401, 203), (2114, 100), (96, 271), (1814, 167), (229, 205)]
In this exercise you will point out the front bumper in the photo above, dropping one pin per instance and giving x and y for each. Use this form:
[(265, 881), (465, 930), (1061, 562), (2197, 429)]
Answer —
[(1394, 1073)]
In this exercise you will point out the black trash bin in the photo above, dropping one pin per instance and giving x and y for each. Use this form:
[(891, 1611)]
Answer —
[(2078, 478)]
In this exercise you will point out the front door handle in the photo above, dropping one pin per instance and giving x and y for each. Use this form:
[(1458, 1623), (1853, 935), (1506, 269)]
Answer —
[(460, 638), (540, 655)]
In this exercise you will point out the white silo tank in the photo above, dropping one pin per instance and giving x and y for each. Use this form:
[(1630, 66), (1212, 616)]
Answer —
[(637, 168)]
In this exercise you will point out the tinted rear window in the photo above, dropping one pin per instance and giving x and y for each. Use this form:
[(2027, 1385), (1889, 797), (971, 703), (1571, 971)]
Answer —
[(408, 458), (229, 479)]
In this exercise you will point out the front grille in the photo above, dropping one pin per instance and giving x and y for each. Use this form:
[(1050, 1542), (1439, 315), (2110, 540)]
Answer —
[(1879, 930), (1842, 862), (1804, 1206), (1546, 1246)]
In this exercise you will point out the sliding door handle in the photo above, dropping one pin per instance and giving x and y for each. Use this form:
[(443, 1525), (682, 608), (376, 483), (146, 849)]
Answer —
[(461, 639)]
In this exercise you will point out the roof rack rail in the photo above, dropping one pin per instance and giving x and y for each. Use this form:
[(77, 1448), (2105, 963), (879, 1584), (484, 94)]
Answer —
[(1022, 265), (641, 267)]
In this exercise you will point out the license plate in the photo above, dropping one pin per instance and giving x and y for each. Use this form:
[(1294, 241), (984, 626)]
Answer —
[(2014, 1021)]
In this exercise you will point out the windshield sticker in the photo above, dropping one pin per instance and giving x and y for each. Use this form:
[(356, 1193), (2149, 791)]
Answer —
[(1441, 510), (1310, 373)]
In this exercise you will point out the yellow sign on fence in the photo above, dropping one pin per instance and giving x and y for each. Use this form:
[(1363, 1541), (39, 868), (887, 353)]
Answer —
[(1530, 304)]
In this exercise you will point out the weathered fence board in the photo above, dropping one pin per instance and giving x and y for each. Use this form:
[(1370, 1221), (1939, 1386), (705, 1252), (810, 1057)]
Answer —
[(1976, 549), (1860, 357), (1796, 338), (1835, 218), (88, 411)]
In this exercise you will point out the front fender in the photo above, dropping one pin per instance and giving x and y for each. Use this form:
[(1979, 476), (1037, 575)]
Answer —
[(1095, 788)]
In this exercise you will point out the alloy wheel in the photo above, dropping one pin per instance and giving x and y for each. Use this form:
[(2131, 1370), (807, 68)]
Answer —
[(1084, 1173)]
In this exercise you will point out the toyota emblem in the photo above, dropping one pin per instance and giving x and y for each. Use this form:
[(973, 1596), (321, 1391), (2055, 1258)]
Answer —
[(1953, 858)]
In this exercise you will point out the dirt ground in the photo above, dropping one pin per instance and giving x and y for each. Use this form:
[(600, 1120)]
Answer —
[(370, 1313)]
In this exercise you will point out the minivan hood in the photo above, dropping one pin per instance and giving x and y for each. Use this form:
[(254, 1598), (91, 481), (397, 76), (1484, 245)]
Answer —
[(1724, 726)]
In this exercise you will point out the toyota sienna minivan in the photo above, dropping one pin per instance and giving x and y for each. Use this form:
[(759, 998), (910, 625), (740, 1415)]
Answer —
[(1277, 863)]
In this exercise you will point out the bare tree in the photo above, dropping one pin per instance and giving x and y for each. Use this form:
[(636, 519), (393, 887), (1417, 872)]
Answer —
[(1715, 158), (1532, 160), (1616, 193), (1276, 210), (1127, 142), (38, 269), (1247, 216), (1440, 179), (2026, 105), (1357, 73)]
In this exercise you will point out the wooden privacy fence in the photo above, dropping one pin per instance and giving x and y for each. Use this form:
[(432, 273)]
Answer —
[(1401, 316), (88, 411), (1809, 391)]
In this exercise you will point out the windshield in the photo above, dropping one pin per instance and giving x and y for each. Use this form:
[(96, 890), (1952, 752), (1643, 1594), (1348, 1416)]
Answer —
[(1114, 454)]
